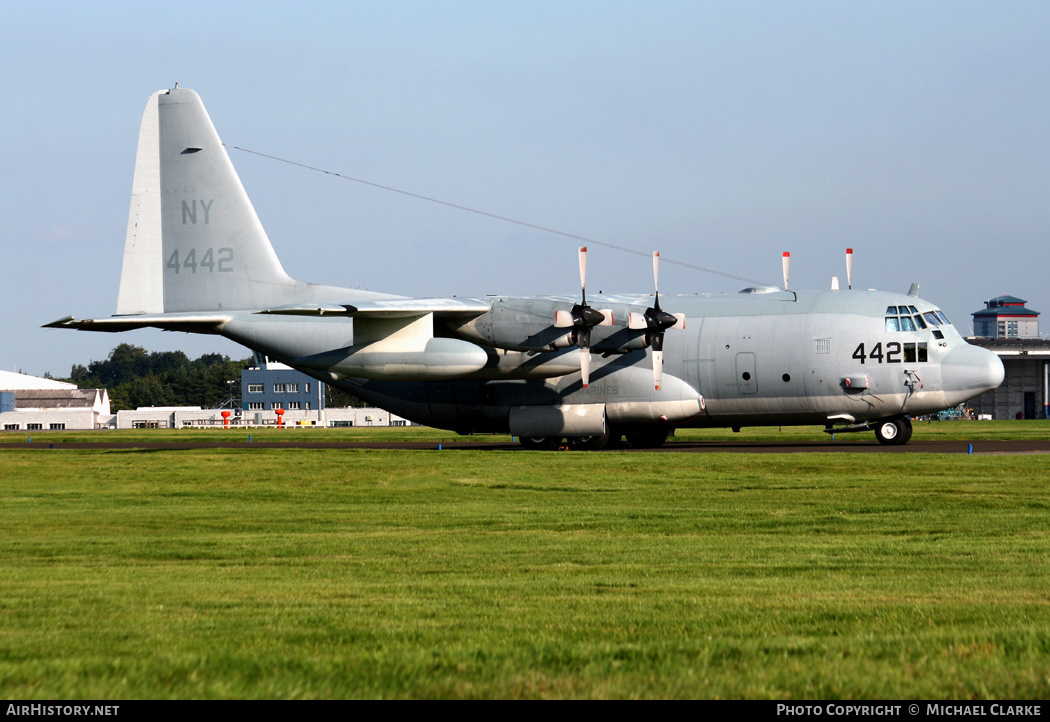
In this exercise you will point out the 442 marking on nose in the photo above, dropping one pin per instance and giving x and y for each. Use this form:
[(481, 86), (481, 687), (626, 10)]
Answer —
[(894, 353)]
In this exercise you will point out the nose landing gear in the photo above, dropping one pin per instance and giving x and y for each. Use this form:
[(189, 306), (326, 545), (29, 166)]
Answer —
[(893, 432)]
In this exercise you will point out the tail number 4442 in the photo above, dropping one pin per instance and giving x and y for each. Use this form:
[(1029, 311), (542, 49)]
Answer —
[(210, 260)]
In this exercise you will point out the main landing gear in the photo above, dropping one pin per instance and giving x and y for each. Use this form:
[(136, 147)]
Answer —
[(642, 437)]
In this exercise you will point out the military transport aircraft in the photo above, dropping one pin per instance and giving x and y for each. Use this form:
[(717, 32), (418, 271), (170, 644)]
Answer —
[(546, 369)]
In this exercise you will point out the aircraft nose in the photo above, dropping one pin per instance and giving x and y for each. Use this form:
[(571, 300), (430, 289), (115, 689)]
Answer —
[(969, 371)]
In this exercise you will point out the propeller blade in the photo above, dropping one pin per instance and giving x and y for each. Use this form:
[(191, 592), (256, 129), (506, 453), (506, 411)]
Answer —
[(583, 318), (849, 268), (655, 320), (787, 266), (583, 273)]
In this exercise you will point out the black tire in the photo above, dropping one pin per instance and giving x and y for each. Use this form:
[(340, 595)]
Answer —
[(592, 443), (538, 443), (648, 437), (894, 432), (906, 437)]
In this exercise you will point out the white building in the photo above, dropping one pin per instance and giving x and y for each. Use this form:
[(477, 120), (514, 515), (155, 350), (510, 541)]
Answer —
[(29, 403), (363, 417), (181, 417)]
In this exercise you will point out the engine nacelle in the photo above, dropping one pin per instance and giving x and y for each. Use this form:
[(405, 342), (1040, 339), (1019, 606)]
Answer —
[(557, 421), (566, 341), (436, 359)]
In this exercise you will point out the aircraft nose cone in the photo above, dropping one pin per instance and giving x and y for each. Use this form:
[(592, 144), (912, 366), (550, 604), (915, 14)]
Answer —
[(969, 371)]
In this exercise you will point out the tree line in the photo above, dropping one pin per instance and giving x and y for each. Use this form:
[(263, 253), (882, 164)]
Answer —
[(136, 377)]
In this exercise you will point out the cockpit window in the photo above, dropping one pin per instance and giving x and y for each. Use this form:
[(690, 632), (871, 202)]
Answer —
[(908, 318)]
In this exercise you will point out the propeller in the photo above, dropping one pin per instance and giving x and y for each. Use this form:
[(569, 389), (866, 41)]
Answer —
[(655, 321), (583, 318)]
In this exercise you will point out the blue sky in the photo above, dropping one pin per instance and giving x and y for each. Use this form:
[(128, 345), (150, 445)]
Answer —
[(720, 133)]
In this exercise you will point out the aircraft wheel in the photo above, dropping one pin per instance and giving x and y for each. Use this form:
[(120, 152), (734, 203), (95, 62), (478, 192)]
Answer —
[(591, 443), (538, 443), (906, 436), (651, 437), (894, 432)]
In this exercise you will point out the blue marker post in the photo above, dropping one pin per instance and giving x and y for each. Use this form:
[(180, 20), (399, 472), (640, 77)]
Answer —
[(969, 448)]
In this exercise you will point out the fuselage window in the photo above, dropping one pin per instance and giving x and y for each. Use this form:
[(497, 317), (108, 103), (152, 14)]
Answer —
[(916, 353)]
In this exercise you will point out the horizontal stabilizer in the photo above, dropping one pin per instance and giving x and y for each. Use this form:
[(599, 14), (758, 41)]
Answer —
[(189, 322)]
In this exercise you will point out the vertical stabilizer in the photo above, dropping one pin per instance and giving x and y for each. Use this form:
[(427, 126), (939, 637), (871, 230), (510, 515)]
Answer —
[(194, 241), (141, 284)]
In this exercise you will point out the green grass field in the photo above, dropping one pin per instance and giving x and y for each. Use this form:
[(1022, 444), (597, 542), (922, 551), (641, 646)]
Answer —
[(924, 430), (234, 573)]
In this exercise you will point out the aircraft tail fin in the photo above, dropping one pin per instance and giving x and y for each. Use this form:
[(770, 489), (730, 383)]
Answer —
[(194, 241)]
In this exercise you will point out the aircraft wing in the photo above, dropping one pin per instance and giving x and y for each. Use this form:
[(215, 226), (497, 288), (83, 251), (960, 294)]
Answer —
[(394, 308)]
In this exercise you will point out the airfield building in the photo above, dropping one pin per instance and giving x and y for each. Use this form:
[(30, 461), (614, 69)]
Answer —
[(30, 403), (1006, 317), (270, 386), (1011, 330)]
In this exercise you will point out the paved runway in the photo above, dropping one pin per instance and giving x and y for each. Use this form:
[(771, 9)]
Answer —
[(672, 446)]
